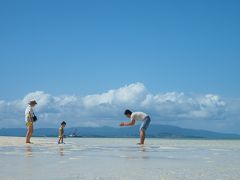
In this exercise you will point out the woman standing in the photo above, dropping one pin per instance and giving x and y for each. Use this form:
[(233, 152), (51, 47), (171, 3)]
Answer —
[(30, 118)]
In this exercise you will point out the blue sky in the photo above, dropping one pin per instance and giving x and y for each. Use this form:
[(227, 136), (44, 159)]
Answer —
[(89, 47)]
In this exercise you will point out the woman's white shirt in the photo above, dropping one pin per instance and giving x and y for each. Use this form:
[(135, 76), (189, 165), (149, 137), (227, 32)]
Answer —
[(28, 114)]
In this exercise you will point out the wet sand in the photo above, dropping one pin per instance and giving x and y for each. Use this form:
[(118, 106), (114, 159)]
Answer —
[(113, 158)]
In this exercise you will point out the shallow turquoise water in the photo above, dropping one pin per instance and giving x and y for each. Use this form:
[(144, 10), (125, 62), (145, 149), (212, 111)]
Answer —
[(106, 158)]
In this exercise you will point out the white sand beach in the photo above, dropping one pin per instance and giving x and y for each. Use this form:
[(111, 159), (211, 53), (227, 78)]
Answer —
[(106, 158)]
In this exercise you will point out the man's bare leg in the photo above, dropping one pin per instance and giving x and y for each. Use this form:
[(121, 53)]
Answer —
[(142, 136)]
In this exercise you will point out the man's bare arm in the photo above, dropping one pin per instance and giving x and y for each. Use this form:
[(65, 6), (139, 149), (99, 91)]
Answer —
[(131, 123)]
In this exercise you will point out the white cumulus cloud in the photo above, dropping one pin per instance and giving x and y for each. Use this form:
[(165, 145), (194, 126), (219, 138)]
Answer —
[(107, 108)]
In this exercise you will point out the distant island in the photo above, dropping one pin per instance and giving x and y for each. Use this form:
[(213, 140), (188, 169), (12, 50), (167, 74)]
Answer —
[(155, 131)]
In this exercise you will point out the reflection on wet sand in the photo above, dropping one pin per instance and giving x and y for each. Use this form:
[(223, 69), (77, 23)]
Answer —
[(142, 149), (61, 150), (28, 151)]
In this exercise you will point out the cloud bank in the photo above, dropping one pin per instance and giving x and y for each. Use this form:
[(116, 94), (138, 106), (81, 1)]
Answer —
[(207, 111)]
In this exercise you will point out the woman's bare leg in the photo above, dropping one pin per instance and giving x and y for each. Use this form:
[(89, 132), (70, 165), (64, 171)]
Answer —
[(29, 134)]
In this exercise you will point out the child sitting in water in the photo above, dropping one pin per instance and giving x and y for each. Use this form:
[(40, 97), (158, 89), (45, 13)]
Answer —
[(61, 133), (138, 116)]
